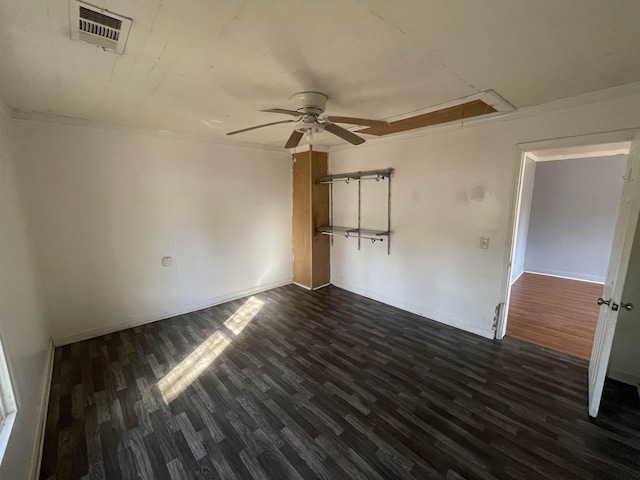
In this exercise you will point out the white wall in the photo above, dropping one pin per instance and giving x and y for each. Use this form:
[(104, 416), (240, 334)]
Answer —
[(23, 330), (451, 188), (573, 216), (107, 206), (526, 198)]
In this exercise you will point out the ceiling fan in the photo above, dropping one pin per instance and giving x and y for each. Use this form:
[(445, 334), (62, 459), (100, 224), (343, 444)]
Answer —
[(310, 120)]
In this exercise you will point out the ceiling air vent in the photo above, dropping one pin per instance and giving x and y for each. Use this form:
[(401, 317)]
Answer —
[(99, 27)]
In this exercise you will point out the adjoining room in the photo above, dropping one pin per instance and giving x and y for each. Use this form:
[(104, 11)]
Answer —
[(567, 216), (297, 239)]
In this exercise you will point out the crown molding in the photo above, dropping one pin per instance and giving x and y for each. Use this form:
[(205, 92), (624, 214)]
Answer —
[(505, 112), (39, 117)]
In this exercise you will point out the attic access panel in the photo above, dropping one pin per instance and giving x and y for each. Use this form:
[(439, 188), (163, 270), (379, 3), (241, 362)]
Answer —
[(479, 104), (99, 27), (458, 112)]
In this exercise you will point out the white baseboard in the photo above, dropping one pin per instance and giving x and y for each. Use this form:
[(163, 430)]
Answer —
[(45, 390), (309, 288), (517, 277), (135, 322), (568, 276), (419, 310)]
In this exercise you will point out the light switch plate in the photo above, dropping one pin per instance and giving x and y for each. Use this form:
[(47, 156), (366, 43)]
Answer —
[(167, 261), (484, 242)]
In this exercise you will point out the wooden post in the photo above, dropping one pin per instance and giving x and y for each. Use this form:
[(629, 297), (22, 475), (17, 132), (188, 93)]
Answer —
[(310, 211)]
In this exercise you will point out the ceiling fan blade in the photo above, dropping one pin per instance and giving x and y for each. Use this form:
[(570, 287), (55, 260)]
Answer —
[(343, 133), (282, 110), (360, 121), (294, 140), (260, 126)]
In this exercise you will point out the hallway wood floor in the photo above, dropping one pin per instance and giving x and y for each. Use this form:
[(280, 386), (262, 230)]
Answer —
[(327, 384), (557, 313)]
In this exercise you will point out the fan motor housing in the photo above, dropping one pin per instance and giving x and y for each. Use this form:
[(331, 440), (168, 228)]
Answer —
[(310, 102)]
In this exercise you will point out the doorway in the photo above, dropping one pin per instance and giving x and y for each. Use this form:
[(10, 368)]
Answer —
[(565, 221)]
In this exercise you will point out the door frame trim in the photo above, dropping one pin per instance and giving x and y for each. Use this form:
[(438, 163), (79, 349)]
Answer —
[(526, 148)]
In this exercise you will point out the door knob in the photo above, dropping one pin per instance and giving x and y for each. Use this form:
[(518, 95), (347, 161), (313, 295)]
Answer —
[(602, 301), (627, 306)]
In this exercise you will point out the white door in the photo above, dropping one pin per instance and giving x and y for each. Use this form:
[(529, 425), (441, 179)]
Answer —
[(614, 284), (624, 364)]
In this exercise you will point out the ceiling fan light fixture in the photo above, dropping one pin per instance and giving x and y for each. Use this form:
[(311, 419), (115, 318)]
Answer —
[(309, 127), (309, 120)]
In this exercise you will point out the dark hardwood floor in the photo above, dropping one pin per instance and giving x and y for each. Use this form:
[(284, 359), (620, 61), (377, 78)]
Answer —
[(327, 384), (557, 313)]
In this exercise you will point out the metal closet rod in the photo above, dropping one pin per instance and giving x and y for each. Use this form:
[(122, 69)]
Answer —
[(347, 235), (365, 175), (365, 234)]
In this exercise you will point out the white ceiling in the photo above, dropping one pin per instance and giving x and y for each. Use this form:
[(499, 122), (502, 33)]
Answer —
[(206, 67)]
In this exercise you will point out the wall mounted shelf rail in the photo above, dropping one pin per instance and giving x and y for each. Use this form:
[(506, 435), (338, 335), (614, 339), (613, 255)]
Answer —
[(366, 175), (372, 235), (359, 232)]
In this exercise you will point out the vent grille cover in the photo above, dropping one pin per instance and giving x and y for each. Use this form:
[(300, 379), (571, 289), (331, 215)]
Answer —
[(99, 27)]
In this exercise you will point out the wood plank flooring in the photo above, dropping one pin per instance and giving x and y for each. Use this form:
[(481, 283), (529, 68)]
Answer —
[(327, 384), (557, 313)]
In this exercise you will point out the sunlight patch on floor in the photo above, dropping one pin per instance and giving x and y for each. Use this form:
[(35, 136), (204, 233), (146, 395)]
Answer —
[(244, 315), (183, 375)]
